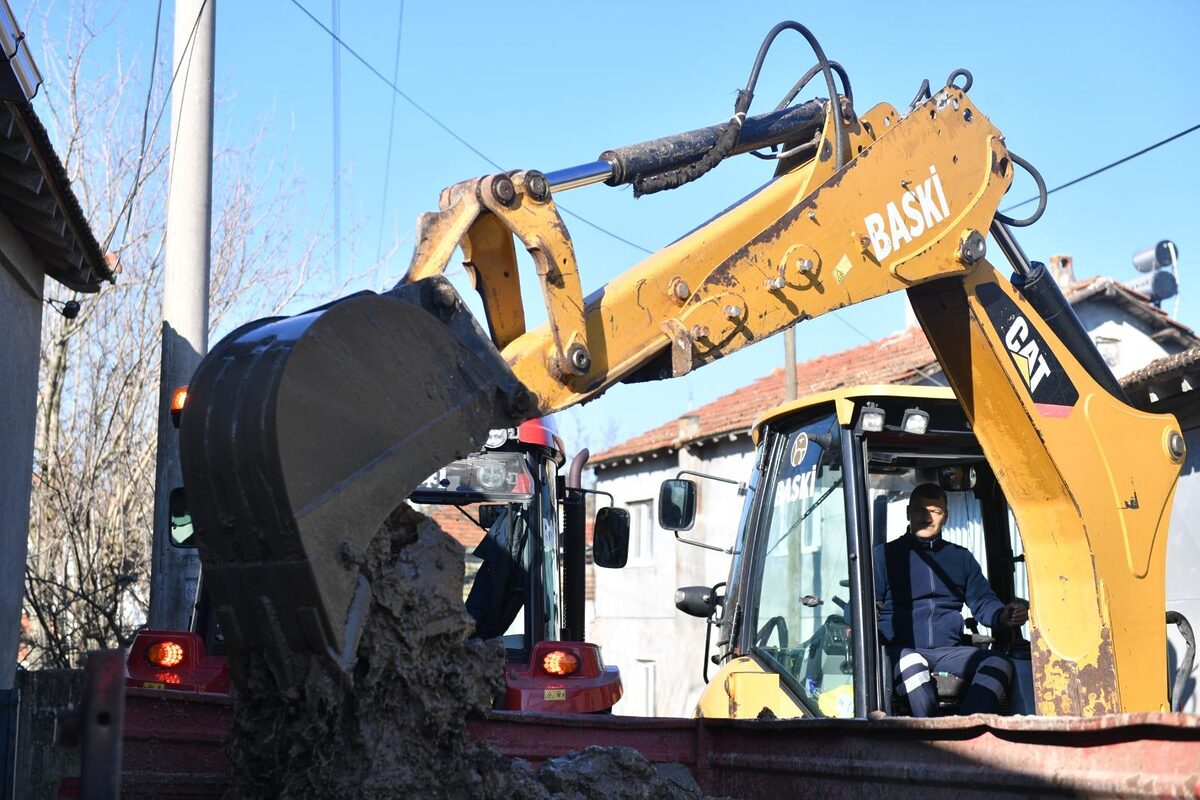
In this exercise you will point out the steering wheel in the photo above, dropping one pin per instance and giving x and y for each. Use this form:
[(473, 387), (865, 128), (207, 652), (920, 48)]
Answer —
[(777, 624)]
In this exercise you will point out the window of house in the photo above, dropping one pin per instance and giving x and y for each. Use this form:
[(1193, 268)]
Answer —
[(1110, 350), (641, 531), (648, 672)]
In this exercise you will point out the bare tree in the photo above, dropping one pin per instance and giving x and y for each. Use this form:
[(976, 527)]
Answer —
[(93, 495)]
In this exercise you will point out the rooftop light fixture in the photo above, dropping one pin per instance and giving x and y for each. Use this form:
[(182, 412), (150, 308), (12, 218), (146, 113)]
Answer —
[(915, 421)]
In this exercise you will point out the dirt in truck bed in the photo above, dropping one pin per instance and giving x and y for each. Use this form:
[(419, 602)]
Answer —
[(397, 728)]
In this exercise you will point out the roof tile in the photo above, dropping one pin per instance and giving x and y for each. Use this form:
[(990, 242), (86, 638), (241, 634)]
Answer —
[(899, 358)]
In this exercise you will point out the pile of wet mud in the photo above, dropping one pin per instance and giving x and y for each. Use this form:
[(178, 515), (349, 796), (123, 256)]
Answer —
[(397, 726)]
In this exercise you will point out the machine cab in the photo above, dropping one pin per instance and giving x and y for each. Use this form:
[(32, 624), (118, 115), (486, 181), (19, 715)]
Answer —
[(505, 504), (798, 632)]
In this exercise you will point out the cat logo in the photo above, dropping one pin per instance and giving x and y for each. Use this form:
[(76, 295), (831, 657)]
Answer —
[(1049, 385), (1026, 353)]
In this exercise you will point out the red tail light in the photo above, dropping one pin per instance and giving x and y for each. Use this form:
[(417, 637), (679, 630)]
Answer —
[(165, 654), (560, 662), (178, 401)]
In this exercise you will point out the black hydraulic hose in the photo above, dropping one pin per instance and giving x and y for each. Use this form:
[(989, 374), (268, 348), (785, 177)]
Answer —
[(839, 149), (632, 162), (847, 92), (731, 132), (1037, 286), (1189, 655), (574, 545), (1042, 194)]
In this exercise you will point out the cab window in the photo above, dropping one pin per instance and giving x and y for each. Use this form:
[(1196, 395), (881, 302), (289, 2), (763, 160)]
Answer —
[(800, 615)]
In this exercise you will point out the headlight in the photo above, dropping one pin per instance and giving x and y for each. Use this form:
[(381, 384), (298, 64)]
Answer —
[(491, 476)]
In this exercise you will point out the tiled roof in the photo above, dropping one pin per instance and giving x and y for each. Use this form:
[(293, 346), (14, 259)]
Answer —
[(465, 532), (1136, 303), (901, 358)]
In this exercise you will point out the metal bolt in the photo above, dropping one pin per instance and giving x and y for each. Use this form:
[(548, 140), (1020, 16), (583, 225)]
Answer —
[(812, 216), (536, 186), (733, 311), (679, 289), (580, 358), (805, 265), (972, 248), (699, 331), (1176, 448), (503, 190), (520, 402), (775, 283)]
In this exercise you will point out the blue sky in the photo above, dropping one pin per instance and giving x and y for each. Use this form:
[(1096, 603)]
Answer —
[(1073, 86)]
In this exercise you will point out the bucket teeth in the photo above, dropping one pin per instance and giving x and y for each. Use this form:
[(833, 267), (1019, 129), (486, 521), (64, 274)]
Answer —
[(303, 433)]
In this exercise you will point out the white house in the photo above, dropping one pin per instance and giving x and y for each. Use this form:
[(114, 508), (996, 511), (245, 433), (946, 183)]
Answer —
[(659, 650)]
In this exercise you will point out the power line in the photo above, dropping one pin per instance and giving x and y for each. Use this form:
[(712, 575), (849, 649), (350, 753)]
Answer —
[(392, 85), (387, 166), (336, 13), (137, 175), (128, 204), (1106, 167)]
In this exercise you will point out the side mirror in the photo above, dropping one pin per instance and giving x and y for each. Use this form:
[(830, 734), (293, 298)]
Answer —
[(489, 513), (957, 479), (677, 504), (697, 601), (610, 538), (182, 533)]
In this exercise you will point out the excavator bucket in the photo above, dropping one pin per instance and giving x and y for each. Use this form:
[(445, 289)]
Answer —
[(303, 433)]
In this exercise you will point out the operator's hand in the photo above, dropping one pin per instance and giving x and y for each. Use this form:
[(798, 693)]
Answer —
[(1015, 614)]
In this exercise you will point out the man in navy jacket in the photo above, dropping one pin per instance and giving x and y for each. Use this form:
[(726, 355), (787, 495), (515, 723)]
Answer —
[(921, 585)]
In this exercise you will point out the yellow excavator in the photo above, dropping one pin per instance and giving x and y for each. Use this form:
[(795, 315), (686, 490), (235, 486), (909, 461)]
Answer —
[(302, 433), (796, 618)]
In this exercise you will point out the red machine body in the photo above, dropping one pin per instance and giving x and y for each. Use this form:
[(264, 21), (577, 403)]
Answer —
[(588, 688), (175, 660)]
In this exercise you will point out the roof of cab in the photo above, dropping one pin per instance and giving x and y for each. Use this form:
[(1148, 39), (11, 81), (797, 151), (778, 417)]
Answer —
[(845, 397)]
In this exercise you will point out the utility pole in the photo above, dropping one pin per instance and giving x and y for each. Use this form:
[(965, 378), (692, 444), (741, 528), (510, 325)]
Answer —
[(789, 363), (175, 572)]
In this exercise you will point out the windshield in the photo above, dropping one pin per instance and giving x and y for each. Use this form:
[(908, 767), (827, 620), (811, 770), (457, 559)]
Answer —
[(800, 616)]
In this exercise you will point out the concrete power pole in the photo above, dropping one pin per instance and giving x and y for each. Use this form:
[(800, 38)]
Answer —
[(789, 363), (174, 571)]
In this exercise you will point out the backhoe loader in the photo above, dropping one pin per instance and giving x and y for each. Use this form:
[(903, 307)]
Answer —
[(829, 487), (302, 433)]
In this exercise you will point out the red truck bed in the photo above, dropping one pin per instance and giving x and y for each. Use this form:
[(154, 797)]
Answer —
[(173, 746)]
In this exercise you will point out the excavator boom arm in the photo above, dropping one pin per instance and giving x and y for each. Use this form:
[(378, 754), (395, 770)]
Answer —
[(311, 429)]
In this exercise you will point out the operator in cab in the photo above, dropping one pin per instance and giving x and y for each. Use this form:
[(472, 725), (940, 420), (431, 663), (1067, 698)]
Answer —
[(921, 585)]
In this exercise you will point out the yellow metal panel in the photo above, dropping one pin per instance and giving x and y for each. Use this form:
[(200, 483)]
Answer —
[(895, 215), (1090, 483), (742, 689)]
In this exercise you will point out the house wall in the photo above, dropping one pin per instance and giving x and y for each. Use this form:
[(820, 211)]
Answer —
[(660, 650), (1124, 341), (21, 287)]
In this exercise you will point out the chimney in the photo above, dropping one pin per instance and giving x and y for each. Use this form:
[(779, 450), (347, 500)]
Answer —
[(1062, 267), (688, 428)]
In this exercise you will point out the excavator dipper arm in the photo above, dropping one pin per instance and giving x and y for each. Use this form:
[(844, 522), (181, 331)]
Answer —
[(303, 433)]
